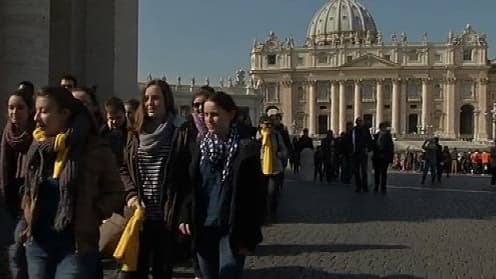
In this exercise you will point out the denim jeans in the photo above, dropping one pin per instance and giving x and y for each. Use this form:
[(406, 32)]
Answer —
[(216, 258), (52, 260), (17, 254)]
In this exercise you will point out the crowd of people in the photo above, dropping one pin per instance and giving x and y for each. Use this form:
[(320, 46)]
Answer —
[(197, 189), (451, 161), (190, 186), (346, 156)]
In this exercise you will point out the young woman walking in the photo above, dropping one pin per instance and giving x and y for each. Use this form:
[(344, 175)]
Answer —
[(224, 214), (72, 183)]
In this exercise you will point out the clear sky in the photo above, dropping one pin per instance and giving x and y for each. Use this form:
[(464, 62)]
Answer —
[(213, 38)]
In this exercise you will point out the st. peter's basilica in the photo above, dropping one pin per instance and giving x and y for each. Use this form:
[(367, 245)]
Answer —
[(347, 69)]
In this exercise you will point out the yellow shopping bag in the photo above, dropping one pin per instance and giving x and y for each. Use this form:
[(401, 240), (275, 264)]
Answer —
[(127, 249)]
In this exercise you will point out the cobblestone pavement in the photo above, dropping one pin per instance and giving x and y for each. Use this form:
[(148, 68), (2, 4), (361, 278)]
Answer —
[(329, 231)]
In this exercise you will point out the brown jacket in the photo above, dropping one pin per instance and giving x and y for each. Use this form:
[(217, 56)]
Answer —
[(99, 194)]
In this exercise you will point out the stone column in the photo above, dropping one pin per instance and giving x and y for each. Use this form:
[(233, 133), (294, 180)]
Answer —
[(357, 106), (426, 106), (379, 101), (342, 106), (312, 88), (395, 102), (334, 108), (482, 98), (286, 100), (403, 107), (477, 114), (450, 109)]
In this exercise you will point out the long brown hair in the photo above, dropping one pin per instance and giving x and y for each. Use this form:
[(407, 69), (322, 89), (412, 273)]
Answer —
[(141, 117)]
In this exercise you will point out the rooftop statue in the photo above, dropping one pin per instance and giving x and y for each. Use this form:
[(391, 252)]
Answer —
[(379, 38), (425, 37), (394, 38), (240, 77)]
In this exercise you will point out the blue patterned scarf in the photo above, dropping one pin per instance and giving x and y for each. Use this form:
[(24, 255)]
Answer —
[(219, 152)]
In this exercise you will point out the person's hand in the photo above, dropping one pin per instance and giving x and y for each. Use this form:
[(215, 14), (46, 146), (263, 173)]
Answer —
[(184, 229), (133, 202), (245, 252)]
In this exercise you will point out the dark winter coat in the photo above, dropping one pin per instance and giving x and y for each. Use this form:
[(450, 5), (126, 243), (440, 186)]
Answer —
[(175, 180), (247, 201), (383, 147)]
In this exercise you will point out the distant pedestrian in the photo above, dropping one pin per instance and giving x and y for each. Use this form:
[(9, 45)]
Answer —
[(430, 160), (493, 165), (439, 160), (360, 141), (273, 154), (116, 128), (383, 148), (305, 141), (131, 107), (329, 156), (318, 164), (447, 161), (296, 156), (454, 161), (89, 99)]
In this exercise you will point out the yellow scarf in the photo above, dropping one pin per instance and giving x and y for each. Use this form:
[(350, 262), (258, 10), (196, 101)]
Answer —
[(267, 151), (127, 249), (59, 146)]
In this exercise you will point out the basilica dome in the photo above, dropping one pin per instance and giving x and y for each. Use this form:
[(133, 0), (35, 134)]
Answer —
[(339, 17)]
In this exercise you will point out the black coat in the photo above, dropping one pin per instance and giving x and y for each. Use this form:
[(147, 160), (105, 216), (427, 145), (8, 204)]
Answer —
[(383, 149), (248, 196), (363, 140)]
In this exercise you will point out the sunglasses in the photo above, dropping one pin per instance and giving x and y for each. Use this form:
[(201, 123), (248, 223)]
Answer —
[(197, 105)]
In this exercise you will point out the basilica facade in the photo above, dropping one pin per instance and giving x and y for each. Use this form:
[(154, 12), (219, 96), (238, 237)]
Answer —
[(348, 69)]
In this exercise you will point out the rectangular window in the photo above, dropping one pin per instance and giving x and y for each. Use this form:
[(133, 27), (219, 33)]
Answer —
[(388, 91), (438, 58), (467, 54), (387, 57), (438, 90), (271, 59), (413, 56), (413, 90), (300, 94), (349, 58), (368, 92), (323, 93), (323, 125), (300, 61), (323, 59), (467, 90), (271, 94)]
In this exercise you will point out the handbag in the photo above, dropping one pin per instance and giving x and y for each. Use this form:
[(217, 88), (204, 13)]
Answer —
[(110, 232)]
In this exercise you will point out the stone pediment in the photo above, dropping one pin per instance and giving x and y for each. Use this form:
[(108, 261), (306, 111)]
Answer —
[(370, 61)]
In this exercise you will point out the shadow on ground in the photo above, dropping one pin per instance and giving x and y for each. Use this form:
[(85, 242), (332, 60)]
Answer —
[(294, 272), (322, 203), (293, 250)]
